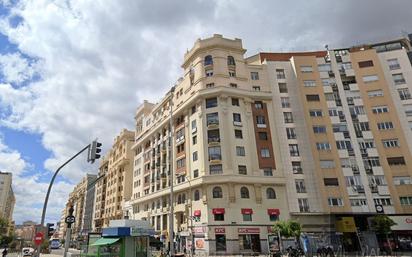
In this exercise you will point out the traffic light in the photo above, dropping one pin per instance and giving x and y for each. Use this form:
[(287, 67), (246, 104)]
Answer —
[(94, 151), (50, 229)]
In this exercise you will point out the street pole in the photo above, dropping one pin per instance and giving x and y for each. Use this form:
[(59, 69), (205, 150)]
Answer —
[(171, 177), (67, 240), (191, 219), (46, 200)]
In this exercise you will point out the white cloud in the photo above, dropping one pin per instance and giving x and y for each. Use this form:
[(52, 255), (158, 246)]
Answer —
[(11, 160), (99, 59)]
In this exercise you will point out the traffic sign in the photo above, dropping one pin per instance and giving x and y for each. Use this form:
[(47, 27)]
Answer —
[(70, 219), (38, 238)]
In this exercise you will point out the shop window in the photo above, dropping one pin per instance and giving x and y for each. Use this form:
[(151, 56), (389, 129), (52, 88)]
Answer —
[(221, 243), (249, 242)]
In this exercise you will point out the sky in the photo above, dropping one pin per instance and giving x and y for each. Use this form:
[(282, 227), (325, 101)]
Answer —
[(75, 70)]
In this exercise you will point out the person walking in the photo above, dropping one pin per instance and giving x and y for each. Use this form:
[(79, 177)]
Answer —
[(4, 253)]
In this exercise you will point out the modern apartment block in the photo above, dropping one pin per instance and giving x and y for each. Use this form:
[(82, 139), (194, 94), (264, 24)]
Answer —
[(229, 179), (7, 198), (81, 198), (114, 187)]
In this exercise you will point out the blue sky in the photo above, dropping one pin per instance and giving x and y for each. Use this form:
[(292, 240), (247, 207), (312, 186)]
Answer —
[(72, 71)]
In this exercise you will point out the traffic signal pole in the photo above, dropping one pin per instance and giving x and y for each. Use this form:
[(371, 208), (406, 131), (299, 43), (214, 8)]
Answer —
[(46, 200)]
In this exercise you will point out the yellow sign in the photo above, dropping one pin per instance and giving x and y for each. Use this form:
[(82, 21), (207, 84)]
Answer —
[(346, 224)]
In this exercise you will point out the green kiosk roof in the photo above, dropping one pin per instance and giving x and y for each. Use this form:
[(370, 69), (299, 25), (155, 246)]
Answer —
[(106, 241)]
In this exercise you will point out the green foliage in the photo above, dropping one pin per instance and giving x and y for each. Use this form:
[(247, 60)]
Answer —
[(288, 228), (382, 224)]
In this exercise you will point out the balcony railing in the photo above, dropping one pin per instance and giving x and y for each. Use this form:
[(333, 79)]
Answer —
[(212, 122), (213, 140), (215, 157)]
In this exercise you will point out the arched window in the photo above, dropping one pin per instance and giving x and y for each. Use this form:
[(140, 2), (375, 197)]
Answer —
[(179, 199), (208, 60), (196, 195), (231, 60), (217, 192), (183, 198), (270, 193), (244, 192)]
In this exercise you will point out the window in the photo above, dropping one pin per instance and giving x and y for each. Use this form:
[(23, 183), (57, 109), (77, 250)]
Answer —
[(332, 201), (343, 144), (254, 75), (217, 192), (270, 193), (315, 113), (394, 161), (380, 109), (220, 243), (267, 172), (211, 102), (244, 193), (317, 129), (233, 85), (242, 169), (327, 164), (288, 117), (285, 102), (214, 153), (406, 200), (372, 162), (258, 105), (312, 98), (303, 205), (283, 88), (398, 79), (230, 60), (375, 93), (297, 168), (194, 126), (238, 134), (209, 73), (404, 94), (323, 146), (273, 217), (334, 112), (263, 135), (385, 125), (193, 109), (215, 169), (196, 173), (330, 182), (212, 118), (256, 88), (264, 153), (260, 120), (240, 151), (280, 74), (235, 101), (324, 67), (219, 216), (294, 150), (393, 64), (208, 60), (210, 85), (247, 216), (237, 117), (309, 83), (306, 68), (195, 156), (356, 110), (365, 64), (370, 78), (300, 186), (291, 133), (383, 201), (194, 140), (402, 180), (390, 143)]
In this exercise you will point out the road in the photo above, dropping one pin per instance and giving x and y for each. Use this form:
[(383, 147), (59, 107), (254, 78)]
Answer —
[(54, 253)]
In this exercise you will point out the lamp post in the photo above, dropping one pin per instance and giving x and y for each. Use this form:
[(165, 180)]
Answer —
[(171, 176)]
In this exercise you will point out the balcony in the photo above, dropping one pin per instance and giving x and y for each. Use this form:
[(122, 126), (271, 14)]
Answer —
[(215, 157), (212, 123), (394, 66), (213, 140)]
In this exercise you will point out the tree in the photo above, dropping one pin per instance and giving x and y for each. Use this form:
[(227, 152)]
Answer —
[(382, 225), (289, 228), (4, 224)]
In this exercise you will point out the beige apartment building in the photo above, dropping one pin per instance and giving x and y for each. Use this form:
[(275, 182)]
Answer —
[(7, 198), (114, 187), (227, 168)]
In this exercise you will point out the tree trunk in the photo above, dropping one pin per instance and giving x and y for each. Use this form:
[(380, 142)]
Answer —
[(389, 244)]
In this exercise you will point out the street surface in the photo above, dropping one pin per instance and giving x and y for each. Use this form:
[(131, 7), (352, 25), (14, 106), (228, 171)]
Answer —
[(54, 253)]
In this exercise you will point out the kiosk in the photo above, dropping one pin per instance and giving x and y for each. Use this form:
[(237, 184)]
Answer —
[(122, 238)]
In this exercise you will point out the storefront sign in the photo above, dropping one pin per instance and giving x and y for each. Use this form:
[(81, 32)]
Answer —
[(218, 210), (402, 222), (247, 211), (220, 230), (248, 230), (273, 212), (346, 224), (199, 230)]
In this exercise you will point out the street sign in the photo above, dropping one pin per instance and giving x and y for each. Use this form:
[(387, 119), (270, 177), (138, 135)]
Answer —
[(379, 208), (70, 219), (38, 238)]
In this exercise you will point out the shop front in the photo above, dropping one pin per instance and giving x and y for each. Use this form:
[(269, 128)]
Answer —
[(249, 240), (402, 232)]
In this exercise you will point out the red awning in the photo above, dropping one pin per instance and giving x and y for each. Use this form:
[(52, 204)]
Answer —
[(273, 212), (197, 213), (218, 210), (247, 211)]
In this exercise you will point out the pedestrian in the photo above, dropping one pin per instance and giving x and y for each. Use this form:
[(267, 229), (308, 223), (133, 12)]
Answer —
[(5, 252)]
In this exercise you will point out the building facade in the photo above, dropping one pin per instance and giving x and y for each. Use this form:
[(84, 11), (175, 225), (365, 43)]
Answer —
[(7, 198)]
